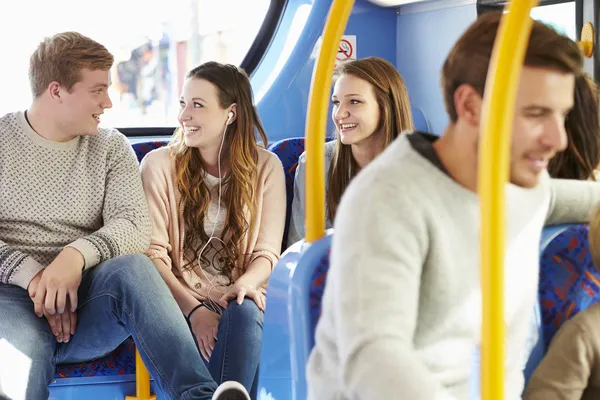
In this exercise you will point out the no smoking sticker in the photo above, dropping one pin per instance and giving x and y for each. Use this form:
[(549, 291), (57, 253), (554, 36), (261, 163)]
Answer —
[(346, 49)]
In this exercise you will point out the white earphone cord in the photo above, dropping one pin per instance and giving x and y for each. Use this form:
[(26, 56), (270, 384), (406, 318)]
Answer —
[(211, 281)]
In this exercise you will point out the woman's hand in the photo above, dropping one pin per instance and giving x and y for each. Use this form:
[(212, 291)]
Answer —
[(205, 324), (240, 290)]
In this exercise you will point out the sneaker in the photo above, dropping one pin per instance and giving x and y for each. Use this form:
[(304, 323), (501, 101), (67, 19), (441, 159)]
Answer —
[(231, 390)]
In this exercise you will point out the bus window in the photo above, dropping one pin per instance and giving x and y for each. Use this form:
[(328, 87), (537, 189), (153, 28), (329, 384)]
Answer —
[(154, 43), (560, 16)]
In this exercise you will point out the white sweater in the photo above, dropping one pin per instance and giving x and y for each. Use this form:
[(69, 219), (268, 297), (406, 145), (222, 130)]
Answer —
[(401, 312)]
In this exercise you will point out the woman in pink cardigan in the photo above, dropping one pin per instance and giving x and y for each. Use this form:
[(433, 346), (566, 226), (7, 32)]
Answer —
[(217, 203)]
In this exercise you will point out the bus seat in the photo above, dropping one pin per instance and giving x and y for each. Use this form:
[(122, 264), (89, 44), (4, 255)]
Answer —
[(143, 148), (419, 120), (536, 344), (110, 377), (569, 282), (294, 296), (307, 285), (289, 151), (275, 372), (120, 362)]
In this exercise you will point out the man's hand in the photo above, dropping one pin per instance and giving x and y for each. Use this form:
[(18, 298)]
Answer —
[(60, 279), (62, 325), (33, 284)]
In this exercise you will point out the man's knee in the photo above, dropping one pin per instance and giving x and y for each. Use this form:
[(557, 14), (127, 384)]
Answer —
[(20, 328), (135, 269), (26, 355)]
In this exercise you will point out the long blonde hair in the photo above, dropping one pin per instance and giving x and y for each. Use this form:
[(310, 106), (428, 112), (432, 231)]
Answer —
[(241, 149), (395, 116)]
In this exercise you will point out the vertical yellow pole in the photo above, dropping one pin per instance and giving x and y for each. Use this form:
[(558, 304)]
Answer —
[(142, 381), (316, 119), (494, 156)]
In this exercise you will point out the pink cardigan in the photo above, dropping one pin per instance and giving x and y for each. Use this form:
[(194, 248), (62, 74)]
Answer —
[(263, 239)]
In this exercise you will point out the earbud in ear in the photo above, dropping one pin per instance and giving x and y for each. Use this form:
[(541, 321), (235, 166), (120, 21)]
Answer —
[(229, 116)]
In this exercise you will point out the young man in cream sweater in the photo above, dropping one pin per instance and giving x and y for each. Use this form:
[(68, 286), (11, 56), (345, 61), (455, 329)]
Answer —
[(73, 222), (402, 306)]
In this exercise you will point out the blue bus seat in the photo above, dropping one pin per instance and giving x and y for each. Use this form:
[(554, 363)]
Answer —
[(275, 372), (290, 319), (120, 362), (569, 282), (289, 151), (143, 148)]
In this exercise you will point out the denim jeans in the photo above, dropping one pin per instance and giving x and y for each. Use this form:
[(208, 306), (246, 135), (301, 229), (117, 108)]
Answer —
[(122, 297), (237, 350)]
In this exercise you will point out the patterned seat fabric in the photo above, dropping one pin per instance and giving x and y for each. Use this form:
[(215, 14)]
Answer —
[(569, 282), (143, 148), (317, 286), (119, 362), (288, 151)]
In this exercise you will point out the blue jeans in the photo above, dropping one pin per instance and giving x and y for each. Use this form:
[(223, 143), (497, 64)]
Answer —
[(237, 350), (122, 297)]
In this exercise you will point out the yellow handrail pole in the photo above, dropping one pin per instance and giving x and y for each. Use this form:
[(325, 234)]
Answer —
[(493, 167), (142, 380), (316, 118)]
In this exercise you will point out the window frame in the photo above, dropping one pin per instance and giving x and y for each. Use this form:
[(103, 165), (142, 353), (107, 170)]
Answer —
[(484, 6), (251, 60), (585, 10)]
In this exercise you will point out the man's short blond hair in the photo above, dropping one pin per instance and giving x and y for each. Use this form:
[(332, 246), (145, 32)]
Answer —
[(61, 58)]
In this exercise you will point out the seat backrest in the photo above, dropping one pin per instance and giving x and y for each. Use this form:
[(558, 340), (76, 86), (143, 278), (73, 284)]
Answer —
[(143, 148), (307, 285), (569, 282), (295, 292), (289, 151)]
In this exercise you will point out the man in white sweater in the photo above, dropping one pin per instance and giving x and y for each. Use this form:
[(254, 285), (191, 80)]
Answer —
[(73, 224), (401, 314)]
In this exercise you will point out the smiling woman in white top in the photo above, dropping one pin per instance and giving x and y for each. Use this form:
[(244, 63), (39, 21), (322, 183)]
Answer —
[(370, 109)]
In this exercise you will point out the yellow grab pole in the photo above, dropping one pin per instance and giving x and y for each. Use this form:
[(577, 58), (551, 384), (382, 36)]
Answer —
[(142, 380), (316, 119), (493, 167)]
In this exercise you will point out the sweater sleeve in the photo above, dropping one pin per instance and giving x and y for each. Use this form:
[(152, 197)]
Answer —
[(572, 201), (127, 226), (272, 221), (17, 268), (154, 180), (296, 230), (564, 372), (378, 255)]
